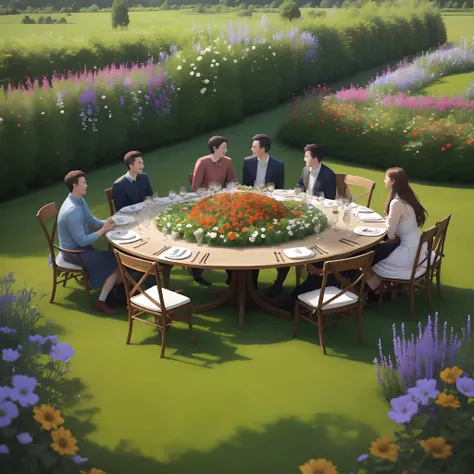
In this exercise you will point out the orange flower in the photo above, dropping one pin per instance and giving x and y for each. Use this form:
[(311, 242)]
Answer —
[(437, 447), (450, 375), (384, 449), (231, 236), (244, 229), (447, 401)]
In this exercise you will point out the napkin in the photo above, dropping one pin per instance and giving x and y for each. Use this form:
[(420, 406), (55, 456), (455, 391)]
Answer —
[(133, 208)]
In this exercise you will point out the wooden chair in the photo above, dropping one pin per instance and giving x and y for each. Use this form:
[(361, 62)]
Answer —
[(438, 250), (110, 199), (161, 303), (61, 268), (344, 183), (318, 305), (421, 274), (190, 177)]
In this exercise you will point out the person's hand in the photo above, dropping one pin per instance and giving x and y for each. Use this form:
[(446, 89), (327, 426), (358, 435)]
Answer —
[(109, 225)]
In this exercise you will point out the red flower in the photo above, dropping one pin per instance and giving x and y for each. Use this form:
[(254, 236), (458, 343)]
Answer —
[(231, 236), (469, 142), (415, 134), (443, 149), (448, 145)]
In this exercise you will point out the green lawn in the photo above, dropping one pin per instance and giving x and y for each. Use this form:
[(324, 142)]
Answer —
[(450, 85), (459, 26), (252, 400)]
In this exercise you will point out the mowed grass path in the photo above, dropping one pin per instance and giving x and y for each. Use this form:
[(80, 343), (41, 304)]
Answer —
[(252, 400)]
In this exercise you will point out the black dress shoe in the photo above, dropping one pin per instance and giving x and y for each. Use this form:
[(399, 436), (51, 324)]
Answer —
[(273, 290), (202, 282)]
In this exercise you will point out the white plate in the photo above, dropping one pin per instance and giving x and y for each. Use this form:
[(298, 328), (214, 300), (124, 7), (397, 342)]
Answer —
[(284, 192), (167, 200), (329, 203), (369, 231), (121, 234), (176, 253), (133, 208), (279, 198), (372, 217), (360, 209), (135, 238), (122, 220), (298, 253)]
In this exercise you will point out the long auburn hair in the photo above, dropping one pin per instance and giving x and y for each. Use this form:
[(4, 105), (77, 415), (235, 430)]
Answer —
[(405, 193)]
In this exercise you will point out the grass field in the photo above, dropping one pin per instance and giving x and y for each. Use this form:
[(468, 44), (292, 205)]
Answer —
[(450, 85), (242, 401)]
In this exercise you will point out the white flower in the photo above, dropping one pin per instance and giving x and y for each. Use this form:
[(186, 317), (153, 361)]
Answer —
[(215, 90), (199, 58), (213, 61), (252, 239), (203, 90), (274, 54), (192, 73), (103, 97), (235, 60), (215, 228), (194, 68), (217, 64), (290, 233), (221, 236), (184, 60), (213, 235), (224, 58), (269, 47), (288, 227), (212, 65), (188, 226), (253, 47), (262, 236), (62, 111), (262, 229), (191, 65), (291, 222), (206, 81), (179, 68), (198, 74), (225, 240), (306, 225), (105, 107)]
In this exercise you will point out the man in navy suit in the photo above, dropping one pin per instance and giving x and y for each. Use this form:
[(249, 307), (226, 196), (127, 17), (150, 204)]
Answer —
[(318, 178), (261, 168)]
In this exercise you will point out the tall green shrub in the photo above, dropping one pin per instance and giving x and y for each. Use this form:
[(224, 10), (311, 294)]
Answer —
[(289, 11), (120, 18)]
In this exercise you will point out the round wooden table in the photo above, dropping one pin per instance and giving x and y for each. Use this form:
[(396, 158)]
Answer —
[(244, 260)]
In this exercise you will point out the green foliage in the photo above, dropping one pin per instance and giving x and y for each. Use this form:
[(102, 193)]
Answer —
[(165, 5), (289, 11), (26, 20), (120, 18)]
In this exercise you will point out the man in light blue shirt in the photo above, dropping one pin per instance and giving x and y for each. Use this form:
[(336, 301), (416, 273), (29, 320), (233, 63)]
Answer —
[(74, 219)]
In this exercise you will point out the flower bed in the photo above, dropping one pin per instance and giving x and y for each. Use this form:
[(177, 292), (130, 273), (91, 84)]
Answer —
[(432, 138), (242, 219)]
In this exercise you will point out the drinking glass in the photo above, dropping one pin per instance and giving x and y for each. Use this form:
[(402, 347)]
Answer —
[(199, 234), (146, 225), (334, 217), (165, 232), (320, 196), (270, 187), (175, 235), (297, 193), (309, 194), (212, 187), (232, 185), (346, 218), (148, 201), (182, 191), (217, 187), (172, 194), (201, 192), (155, 198)]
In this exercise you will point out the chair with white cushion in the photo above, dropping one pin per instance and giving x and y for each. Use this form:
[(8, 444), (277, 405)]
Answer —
[(61, 268), (157, 301), (318, 306), (421, 274)]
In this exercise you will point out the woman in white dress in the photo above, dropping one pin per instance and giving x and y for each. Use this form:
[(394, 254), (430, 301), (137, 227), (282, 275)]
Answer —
[(405, 215)]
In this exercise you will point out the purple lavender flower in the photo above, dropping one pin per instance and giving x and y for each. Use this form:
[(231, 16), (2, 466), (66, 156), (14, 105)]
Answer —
[(22, 391), (424, 390), (24, 438), (37, 338), (403, 409), (53, 339), (78, 459), (4, 393), (62, 351), (4, 449), (8, 411), (10, 355), (362, 457), (6, 330), (465, 385)]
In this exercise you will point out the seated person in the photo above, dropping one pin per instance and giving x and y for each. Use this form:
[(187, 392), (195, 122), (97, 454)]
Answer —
[(133, 186), (74, 219), (217, 168), (261, 168), (316, 177)]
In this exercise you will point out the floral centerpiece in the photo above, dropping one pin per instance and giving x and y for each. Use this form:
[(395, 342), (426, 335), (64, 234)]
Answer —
[(241, 219)]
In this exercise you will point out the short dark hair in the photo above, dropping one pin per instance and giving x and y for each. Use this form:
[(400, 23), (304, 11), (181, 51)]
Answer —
[(130, 158), (264, 141), (216, 142), (73, 178), (316, 150)]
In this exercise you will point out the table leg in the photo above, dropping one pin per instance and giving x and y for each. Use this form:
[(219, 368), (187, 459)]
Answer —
[(242, 290), (224, 298), (261, 302)]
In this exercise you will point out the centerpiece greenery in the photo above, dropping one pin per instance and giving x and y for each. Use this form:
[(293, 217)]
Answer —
[(242, 219)]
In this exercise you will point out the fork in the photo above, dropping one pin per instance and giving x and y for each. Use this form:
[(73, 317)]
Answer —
[(204, 257), (166, 247)]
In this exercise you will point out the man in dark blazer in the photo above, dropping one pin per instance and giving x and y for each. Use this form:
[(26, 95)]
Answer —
[(318, 178), (261, 168)]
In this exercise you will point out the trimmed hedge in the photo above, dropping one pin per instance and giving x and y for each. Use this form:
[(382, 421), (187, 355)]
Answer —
[(91, 119)]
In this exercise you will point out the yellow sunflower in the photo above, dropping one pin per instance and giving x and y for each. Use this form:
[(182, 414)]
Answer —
[(437, 447), (383, 448), (318, 466), (447, 401), (48, 417), (64, 443), (450, 375)]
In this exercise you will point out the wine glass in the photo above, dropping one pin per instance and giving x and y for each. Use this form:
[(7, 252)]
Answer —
[(146, 225), (232, 185), (201, 192), (148, 201), (182, 191), (165, 232), (320, 196), (155, 198), (334, 217), (270, 188), (218, 187), (297, 193), (171, 194), (346, 217)]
